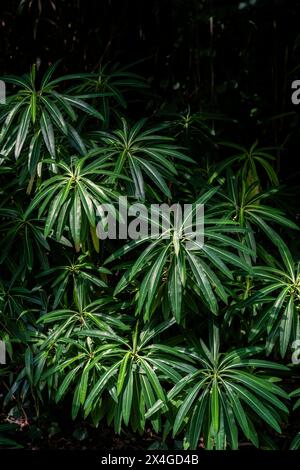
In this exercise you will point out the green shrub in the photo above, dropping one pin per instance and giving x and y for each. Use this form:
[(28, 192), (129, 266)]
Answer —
[(119, 328)]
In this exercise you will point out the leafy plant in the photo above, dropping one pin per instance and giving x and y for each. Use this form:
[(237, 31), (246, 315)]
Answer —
[(139, 151), (280, 320), (296, 441), (71, 198), (6, 432), (34, 115), (173, 261), (248, 162), (238, 203), (109, 87), (110, 329), (79, 274), (225, 395), (23, 237)]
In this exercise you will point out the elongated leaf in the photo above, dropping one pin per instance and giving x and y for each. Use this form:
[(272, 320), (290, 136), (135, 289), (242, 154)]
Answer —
[(48, 134), (286, 326), (22, 132)]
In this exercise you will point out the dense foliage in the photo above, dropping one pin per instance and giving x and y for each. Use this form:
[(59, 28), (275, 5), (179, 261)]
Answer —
[(191, 341)]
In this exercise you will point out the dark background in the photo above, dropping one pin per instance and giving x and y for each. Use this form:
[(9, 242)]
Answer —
[(234, 58)]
